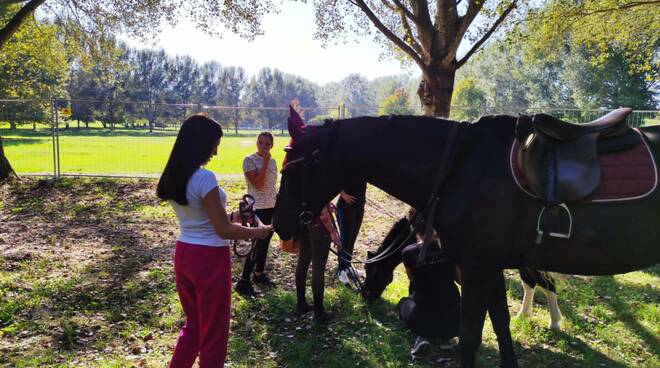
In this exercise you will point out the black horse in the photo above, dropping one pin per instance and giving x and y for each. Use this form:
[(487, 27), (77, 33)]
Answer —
[(380, 267), (487, 222)]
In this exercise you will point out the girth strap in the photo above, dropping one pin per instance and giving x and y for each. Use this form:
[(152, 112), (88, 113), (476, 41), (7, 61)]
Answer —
[(448, 158)]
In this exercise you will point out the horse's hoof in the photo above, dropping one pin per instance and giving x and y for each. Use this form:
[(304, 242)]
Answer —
[(524, 315), (555, 327)]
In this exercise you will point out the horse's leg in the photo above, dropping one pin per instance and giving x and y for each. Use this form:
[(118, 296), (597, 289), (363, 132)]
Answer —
[(320, 250), (473, 313), (555, 314), (528, 283), (498, 310), (304, 259)]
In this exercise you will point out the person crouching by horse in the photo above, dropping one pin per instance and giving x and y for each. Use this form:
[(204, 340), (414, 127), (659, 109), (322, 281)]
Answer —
[(432, 309), (314, 248), (202, 261)]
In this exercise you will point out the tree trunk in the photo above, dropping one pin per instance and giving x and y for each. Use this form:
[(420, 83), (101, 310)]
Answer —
[(5, 167), (435, 91)]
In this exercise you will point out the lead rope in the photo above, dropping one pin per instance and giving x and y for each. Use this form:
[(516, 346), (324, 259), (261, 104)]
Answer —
[(248, 218)]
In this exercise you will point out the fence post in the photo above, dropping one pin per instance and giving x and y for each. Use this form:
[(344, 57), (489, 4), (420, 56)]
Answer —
[(57, 136), (52, 132)]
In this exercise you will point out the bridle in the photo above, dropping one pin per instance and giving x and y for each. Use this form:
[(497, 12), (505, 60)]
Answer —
[(306, 216)]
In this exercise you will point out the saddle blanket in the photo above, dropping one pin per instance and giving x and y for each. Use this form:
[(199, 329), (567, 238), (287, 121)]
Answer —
[(626, 175)]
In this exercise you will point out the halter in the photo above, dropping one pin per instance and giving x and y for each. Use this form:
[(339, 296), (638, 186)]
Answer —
[(305, 216)]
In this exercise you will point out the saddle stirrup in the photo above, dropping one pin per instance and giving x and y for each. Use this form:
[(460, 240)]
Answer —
[(562, 235)]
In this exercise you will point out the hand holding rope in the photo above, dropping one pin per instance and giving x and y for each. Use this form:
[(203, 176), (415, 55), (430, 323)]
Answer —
[(248, 218)]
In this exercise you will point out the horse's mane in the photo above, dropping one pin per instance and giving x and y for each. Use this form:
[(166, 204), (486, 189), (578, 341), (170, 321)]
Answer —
[(397, 228)]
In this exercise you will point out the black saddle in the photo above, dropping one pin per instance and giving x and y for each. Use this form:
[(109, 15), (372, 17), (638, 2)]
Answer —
[(560, 160)]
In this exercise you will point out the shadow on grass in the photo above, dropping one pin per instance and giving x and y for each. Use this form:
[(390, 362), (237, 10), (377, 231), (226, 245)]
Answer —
[(89, 132), (9, 142), (82, 200), (654, 271), (577, 304), (619, 297), (541, 356), (118, 132), (123, 292), (110, 290), (360, 335)]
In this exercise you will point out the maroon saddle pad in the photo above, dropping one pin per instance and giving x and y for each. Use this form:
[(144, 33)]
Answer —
[(626, 175)]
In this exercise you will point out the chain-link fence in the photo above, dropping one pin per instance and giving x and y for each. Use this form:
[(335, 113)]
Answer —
[(115, 138)]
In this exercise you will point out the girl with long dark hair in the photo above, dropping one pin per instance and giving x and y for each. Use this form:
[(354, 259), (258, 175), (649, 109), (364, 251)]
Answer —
[(202, 261)]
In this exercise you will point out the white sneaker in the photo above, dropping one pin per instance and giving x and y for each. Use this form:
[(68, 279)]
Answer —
[(420, 346), (342, 276)]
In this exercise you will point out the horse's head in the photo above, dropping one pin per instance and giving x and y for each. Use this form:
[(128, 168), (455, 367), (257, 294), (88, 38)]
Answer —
[(377, 279), (310, 178), (381, 264)]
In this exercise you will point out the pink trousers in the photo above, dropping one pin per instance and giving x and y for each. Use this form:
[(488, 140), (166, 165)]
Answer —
[(203, 281)]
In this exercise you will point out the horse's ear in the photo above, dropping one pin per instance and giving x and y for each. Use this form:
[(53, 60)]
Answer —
[(295, 125)]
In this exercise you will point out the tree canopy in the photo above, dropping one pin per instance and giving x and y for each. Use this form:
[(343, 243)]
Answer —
[(628, 29), (143, 19)]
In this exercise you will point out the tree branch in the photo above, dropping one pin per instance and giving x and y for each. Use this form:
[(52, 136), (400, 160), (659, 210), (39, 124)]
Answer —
[(8, 30), (474, 7), (409, 34), (389, 34), (424, 24), (630, 5), (485, 37), (407, 11)]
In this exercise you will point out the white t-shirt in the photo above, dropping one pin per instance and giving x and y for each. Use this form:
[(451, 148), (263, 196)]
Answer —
[(264, 197), (194, 223)]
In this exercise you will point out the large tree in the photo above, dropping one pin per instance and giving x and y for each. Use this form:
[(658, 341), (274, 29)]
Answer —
[(33, 68), (87, 20), (429, 33), (441, 36)]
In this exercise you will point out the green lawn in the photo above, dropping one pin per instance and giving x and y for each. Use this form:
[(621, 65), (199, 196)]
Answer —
[(130, 152), (122, 151), (86, 280)]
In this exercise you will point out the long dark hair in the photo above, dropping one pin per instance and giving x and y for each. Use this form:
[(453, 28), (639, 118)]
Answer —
[(194, 144)]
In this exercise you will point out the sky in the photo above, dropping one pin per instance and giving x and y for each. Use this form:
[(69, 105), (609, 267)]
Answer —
[(287, 45)]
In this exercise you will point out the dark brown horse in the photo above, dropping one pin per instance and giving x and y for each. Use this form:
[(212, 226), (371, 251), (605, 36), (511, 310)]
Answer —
[(487, 222)]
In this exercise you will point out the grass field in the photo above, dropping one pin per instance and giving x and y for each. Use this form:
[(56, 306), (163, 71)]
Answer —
[(86, 281), (117, 152), (130, 152)]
